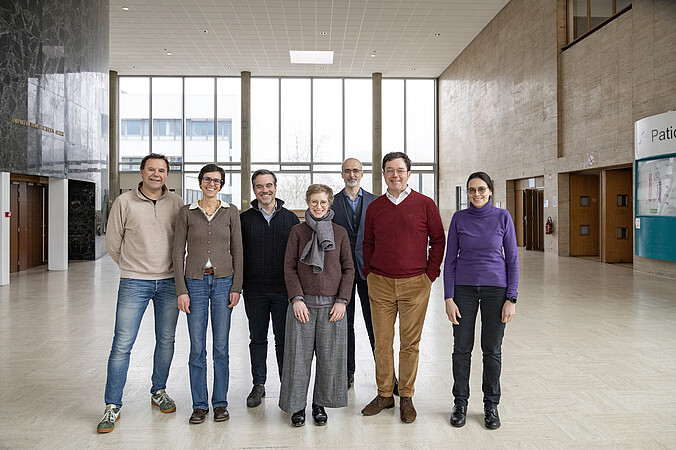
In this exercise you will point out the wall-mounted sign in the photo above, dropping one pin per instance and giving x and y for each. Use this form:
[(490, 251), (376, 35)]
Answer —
[(37, 126), (655, 135), (590, 160)]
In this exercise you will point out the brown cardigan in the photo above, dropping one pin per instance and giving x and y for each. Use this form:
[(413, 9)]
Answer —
[(220, 240), (338, 275)]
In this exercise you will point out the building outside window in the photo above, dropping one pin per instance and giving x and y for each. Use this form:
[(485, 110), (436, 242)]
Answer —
[(301, 128)]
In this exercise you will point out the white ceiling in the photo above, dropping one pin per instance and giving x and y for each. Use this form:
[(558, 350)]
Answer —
[(256, 36)]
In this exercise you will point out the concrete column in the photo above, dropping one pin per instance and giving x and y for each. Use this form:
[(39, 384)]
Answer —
[(57, 252), (4, 228), (246, 140), (377, 155), (113, 139)]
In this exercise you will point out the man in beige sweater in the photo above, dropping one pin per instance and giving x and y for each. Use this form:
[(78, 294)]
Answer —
[(140, 238)]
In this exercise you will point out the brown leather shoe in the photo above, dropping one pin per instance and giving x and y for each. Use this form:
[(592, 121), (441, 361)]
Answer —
[(407, 411), (198, 415), (378, 404), (221, 414)]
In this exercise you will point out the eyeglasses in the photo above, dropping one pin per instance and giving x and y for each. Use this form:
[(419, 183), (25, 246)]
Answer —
[(480, 190), (398, 171), (216, 181), (349, 171), (324, 203)]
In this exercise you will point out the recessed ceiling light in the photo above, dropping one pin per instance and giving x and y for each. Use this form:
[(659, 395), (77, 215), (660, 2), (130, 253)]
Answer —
[(206, 31), (412, 69), (125, 8), (168, 53), (373, 55), (437, 34), (229, 67), (305, 57)]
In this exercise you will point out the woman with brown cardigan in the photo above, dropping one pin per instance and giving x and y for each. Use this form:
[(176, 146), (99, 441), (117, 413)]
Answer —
[(211, 279), (319, 273)]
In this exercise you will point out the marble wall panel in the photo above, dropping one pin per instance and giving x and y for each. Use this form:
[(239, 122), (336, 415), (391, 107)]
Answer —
[(54, 91)]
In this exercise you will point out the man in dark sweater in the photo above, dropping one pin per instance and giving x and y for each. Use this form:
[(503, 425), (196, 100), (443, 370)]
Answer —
[(399, 228), (350, 206), (265, 231)]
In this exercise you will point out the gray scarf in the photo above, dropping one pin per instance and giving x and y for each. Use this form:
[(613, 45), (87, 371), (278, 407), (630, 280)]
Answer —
[(322, 240)]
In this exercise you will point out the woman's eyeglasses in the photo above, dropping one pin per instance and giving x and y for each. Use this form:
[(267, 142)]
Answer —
[(216, 181), (324, 203), (480, 190)]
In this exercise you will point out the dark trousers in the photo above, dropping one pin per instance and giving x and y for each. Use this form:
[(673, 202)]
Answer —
[(259, 307), (362, 287), (469, 299)]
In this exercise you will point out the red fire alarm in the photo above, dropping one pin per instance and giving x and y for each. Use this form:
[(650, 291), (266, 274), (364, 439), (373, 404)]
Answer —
[(8, 213)]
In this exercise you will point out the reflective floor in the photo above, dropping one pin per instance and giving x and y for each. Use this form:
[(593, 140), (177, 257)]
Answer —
[(590, 361)]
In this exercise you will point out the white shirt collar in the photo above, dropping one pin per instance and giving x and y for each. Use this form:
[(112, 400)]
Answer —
[(402, 196), (195, 205)]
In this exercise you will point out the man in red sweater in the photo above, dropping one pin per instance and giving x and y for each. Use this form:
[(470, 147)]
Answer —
[(399, 227)]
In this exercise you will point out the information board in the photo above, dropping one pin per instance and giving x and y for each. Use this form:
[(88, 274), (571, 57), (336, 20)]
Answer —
[(655, 186)]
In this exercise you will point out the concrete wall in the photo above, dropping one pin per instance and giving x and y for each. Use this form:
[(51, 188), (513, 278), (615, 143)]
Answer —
[(516, 106)]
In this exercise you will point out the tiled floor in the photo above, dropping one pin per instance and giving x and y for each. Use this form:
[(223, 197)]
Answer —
[(590, 361)]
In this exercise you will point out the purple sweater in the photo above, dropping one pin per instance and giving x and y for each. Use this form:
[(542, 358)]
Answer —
[(476, 238)]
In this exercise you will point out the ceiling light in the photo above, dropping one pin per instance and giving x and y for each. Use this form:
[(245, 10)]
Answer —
[(373, 55), (437, 34), (125, 8), (305, 57), (322, 33), (206, 31)]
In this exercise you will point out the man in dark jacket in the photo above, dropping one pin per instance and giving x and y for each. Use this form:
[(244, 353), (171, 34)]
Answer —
[(265, 232), (350, 206)]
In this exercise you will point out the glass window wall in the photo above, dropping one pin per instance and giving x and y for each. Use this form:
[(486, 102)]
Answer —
[(134, 121), (302, 128)]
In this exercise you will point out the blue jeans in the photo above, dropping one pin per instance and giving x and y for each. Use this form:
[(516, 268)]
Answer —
[(132, 299), (259, 308), (491, 300), (201, 292)]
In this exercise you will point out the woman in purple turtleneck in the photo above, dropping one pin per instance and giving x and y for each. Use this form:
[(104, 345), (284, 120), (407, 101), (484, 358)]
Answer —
[(478, 275)]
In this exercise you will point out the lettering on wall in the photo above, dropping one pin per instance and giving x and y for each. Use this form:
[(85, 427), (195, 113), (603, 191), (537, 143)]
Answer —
[(37, 126)]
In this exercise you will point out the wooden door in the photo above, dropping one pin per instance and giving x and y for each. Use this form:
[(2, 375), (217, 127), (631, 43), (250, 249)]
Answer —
[(540, 225), (27, 223), (529, 218), (519, 217), (14, 226), (584, 214), (533, 222), (31, 229), (619, 238)]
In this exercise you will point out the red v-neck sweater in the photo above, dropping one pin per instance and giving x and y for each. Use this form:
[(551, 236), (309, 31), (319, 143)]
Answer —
[(396, 237)]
